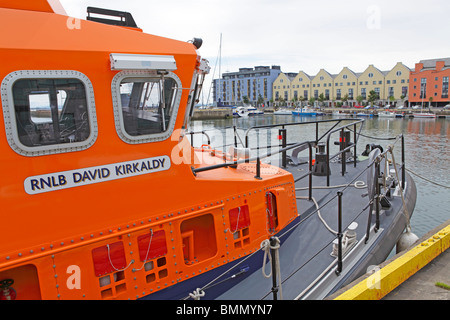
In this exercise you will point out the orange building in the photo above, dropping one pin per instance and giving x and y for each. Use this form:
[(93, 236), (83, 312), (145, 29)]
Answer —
[(429, 82)]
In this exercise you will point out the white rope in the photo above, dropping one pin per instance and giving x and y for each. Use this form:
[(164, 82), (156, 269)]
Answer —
[(112, 265), (358, 185), (148, 250), (265, 246), (319, 214), (197, 294)]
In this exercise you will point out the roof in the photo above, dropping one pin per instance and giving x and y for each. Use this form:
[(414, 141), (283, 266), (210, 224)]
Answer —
[(431, 63)]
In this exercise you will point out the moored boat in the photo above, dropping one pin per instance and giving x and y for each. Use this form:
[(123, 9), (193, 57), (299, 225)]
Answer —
[(283, 111), (364, 114), (338, 113), (386, 114), (424, 115), (104, 197), (306, 112)]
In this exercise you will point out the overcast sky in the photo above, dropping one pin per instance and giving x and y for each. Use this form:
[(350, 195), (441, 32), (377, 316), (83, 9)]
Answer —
[(296, 34)]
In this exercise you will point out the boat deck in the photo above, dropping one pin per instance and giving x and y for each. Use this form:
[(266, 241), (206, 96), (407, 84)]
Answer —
[(309, 243)]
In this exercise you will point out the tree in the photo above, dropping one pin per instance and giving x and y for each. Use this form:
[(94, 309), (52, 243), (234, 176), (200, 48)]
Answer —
[(344, 99), (359, 99), (372, 97), (312, 100), (321, 98), (245, 99), (301, 100), (260, 100)]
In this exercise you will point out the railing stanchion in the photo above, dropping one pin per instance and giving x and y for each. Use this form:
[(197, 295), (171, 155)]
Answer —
[(340, 235), (282, 134), (377, 195), (258, 169), (310, 172), (403, 162), (354, 146), (342, 144)]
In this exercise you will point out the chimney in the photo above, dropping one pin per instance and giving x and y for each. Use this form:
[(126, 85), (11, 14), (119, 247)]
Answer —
[(440, 65), (419, 67)]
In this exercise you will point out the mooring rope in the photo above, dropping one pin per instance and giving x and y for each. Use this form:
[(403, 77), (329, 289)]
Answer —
[(418, 175)]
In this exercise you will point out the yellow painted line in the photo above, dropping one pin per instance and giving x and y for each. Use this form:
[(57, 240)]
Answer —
[(386, 279)]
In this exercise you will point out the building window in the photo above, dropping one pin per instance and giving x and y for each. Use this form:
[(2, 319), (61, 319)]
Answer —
[(371, 75), (350, 94), (391, 92), (423, 88), (404, 91), (338, 94), (363, 93), (399, 73), (444, 87), (145, 105), (48, 112)]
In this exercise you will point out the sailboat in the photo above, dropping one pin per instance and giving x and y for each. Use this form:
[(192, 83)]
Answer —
[(423, 114)]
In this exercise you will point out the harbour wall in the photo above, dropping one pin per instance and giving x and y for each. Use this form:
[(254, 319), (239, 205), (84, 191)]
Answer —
[(212, 114)]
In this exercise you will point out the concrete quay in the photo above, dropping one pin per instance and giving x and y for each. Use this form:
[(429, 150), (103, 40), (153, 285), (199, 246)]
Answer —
[(410, 275)]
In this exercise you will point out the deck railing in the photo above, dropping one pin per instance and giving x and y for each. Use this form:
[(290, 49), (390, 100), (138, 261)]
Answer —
[(344, 146)]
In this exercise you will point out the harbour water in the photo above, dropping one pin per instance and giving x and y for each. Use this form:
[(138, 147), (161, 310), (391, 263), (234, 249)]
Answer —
[(427, 153)]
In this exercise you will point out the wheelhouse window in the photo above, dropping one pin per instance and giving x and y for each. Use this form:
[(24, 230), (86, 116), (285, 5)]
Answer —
[(48, 112), (146, 105)]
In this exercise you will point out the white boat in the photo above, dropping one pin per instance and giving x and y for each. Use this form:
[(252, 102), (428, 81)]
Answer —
[(252, 111), (338, 113), (283, 112), (242, 112), (386, 114)]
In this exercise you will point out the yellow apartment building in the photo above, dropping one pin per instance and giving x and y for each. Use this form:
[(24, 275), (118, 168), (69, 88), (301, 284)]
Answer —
[(371, 79), (282, 87), (346, 85), (397, 82), (322, 83), (394, 83), (301, 86)]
